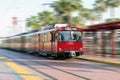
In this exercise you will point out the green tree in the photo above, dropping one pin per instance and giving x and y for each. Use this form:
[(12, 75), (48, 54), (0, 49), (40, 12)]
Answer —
[(33, 23), (100, 7), (109, 19), (78, 22), (64, 9), (112, 4), (89, 15), (46, 18)]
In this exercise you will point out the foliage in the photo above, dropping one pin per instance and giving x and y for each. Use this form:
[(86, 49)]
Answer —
[(100, 8), (113, 19), (112, 3), (78, 21), (33, 23), (63, 13), (46, 18)]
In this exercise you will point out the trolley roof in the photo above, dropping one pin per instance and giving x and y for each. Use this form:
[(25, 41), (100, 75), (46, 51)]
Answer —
[(44, 31)]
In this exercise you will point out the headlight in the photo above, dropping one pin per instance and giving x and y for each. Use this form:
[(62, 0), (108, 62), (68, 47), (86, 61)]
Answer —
[(61, 50), (81, 49)]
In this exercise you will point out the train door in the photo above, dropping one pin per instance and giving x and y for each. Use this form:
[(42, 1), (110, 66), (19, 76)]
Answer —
[(38, 42), (42, 42), (54, 42), (35, 42), (22, 43)]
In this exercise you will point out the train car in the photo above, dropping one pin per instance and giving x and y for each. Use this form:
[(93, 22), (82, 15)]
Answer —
[(12, 42), (65, 41), (57, 42)]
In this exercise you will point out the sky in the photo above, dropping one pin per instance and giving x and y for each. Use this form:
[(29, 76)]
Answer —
[(23, 9), (18, 8)]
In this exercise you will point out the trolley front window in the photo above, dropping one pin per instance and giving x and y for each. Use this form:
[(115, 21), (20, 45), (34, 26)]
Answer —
[(64, 36), (73, 36), (76, 36)]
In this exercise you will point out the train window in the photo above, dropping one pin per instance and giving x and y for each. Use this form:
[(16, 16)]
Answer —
[(40, 37), (69, 36), (48, 37), (76, 36), (64, 36), (53, 37), (45, 37), (26, 38), (34, 38)]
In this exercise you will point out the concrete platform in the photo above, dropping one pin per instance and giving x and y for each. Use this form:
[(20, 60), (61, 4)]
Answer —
[(98, 58), (12, 71)]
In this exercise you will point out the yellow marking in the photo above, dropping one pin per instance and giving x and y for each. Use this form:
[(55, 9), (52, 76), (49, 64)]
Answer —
[(2, 57), (103, 61), (25, 74)]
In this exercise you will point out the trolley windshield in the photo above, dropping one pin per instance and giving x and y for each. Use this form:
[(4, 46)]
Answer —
[(73, 36)]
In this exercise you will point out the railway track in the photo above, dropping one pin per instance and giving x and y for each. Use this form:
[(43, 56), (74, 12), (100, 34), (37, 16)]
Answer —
[(40, 63), (75, 61), (32, 68), (68, 69)]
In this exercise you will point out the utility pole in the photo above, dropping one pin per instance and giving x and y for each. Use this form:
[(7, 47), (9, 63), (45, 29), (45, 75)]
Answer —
[(14, 24), (18, 26)]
